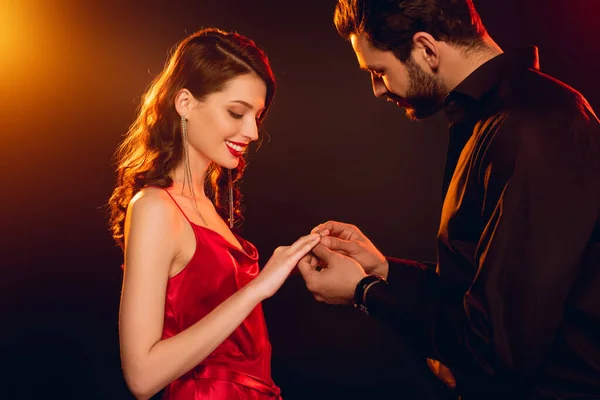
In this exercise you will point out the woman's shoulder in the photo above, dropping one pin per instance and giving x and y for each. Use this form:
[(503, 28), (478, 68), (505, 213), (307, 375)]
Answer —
[(154, 203)]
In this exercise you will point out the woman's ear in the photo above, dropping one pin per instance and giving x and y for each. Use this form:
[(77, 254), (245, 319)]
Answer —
[(184, 101)]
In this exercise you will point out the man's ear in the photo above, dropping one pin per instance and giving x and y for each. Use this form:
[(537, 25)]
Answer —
[(427, 49)]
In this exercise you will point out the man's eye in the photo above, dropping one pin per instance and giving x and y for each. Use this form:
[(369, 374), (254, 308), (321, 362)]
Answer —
[(235, 115)]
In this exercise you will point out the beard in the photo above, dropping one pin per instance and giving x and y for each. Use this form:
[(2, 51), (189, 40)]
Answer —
[(425, 94)]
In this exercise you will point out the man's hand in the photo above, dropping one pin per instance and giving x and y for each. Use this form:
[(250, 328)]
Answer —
[(334, 284), (348, 240)]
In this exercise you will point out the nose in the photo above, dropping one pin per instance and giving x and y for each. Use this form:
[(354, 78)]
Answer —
[(379, 88), (250, 130)]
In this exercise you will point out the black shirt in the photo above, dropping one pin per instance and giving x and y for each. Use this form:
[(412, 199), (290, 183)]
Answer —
[(512, 305)]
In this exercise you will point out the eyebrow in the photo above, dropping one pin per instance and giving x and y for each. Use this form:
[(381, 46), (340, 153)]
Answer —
[(250, 106)]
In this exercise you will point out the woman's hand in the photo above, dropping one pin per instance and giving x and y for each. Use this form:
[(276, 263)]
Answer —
[(281, 264)]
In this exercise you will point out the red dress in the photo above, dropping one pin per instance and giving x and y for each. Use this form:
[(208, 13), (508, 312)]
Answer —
[(240, 367)]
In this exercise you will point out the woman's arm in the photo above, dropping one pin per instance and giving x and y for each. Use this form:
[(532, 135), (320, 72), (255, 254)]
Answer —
[(151, 245)]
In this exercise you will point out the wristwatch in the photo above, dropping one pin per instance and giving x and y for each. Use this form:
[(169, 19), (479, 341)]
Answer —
[(360, 293)]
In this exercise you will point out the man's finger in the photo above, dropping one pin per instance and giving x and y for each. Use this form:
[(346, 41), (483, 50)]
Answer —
[(324, 253), (311, 259), (338, 244), (335, 228), (340, 229), (305, 267)]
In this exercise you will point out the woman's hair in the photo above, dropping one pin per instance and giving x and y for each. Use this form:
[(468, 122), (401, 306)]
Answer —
[(391, 24), (203, 63)]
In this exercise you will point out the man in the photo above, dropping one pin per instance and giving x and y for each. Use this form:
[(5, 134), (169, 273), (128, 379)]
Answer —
[(511, 309)]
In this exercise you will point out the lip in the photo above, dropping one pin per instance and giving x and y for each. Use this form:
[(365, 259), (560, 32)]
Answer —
[(234, 152), (238, 143)]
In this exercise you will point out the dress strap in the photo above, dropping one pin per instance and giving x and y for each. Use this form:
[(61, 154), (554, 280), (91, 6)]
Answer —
[(174, 201)]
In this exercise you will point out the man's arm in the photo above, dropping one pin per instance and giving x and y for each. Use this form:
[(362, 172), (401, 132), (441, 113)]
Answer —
[(541, 211), (399, 270)]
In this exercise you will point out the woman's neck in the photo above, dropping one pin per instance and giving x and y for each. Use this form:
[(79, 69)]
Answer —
[(180, 176)]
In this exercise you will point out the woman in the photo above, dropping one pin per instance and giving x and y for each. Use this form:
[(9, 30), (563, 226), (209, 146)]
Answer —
[(190, 315)]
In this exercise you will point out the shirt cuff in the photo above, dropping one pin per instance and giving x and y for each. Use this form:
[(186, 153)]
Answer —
[(404, 291), (399, 268)]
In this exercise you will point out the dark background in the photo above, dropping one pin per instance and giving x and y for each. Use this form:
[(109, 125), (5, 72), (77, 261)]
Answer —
[(71, 75)]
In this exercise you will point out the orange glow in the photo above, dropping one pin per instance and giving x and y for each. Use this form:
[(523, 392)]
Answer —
[(11, 25), (17, 22), (33, 45), (34, 40)]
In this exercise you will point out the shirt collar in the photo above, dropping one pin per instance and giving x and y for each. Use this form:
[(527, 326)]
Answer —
[(485, 78)]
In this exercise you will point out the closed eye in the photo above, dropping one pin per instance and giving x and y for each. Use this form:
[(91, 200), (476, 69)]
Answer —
[(235, 115)]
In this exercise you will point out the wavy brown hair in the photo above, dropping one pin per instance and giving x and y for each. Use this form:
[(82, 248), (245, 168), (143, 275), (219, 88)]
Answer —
[(203, 63)]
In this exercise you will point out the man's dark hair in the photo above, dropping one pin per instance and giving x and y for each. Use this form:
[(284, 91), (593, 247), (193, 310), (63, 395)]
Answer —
[(391, 24)]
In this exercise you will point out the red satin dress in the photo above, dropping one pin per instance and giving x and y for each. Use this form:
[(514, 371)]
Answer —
[(240, 367)]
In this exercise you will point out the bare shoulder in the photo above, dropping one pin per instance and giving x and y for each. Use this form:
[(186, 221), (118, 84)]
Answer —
[(153, 215), (153, 204)]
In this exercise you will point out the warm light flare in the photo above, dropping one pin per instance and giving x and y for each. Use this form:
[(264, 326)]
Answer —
[(13, 31), (33, 48)]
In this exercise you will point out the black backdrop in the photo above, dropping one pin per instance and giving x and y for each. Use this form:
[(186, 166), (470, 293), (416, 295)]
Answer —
[(71, 76)]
